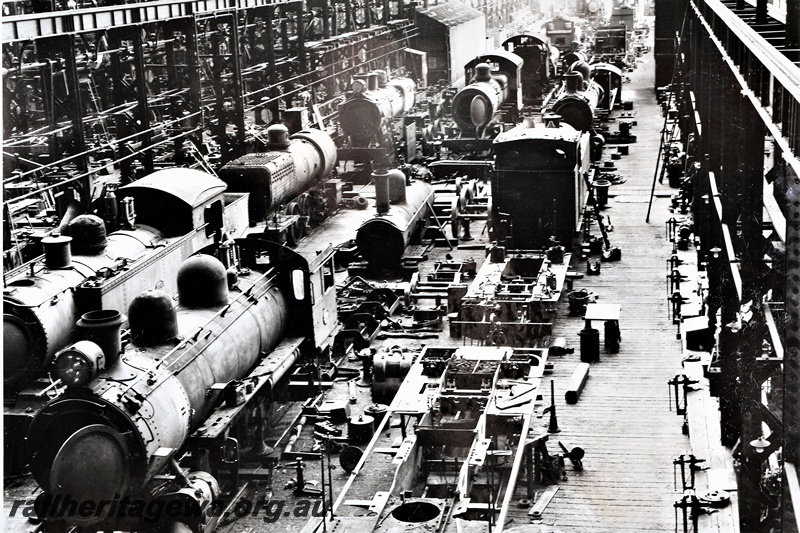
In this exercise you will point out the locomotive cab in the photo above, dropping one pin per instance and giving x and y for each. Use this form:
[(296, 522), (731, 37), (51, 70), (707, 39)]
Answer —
[(538, 187)]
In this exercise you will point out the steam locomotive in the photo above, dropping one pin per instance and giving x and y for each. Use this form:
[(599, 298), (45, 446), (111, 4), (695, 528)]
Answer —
[(366, 115), (402, 210), (540, 64), (92, 270), (563, 31), (284, 178), (539, 184), (189, 376), (578, 97)]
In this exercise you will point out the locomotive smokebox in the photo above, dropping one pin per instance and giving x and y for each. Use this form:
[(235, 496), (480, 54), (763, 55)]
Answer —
[(102, 328), (202, 282), (152, 318)]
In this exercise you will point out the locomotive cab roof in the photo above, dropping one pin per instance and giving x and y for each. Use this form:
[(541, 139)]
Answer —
[(174, 200), (563, 133), (189, 186)]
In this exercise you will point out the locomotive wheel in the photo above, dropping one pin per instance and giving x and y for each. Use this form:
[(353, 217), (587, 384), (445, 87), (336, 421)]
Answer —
[(455, 222), (411, 288), (306, 205), (465, 198), (295, 232)]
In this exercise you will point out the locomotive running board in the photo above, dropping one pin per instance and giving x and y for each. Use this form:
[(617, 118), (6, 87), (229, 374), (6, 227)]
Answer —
[(280, 359)]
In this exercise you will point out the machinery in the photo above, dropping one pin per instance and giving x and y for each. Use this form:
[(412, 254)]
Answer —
[(495, 87), (131, 412), (91, 270), (564, 32), (464, 415), (367, 114), (540, 63), (291, 165), (402, 211), (609, 78), (578, 97), (539, 184)]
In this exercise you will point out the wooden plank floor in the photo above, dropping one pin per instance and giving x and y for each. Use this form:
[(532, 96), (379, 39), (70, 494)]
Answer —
[(622, 419)]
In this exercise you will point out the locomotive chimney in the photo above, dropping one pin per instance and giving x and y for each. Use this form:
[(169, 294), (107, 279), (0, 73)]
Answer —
[(152, 318), (372, 81), (102, 327), (277, 137), (380, 177), (573, 82), (57, 251), (382, 78), (483, 72), (552, 120)]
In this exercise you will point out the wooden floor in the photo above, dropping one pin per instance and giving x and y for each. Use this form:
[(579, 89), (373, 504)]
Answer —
[(623, 419)]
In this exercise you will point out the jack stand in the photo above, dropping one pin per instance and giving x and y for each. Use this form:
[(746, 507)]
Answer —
[(299, 485), (691, 507), (683, 460), (675, 277), (466, 236), (553, 426), (681, 406), (677, 302)]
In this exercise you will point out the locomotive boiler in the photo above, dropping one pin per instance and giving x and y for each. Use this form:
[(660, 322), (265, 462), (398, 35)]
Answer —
[(92, 270), (539, 184), (290, 166), (375, 101), (495, 87), (130, 415), (578, 98), (402, 211)]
